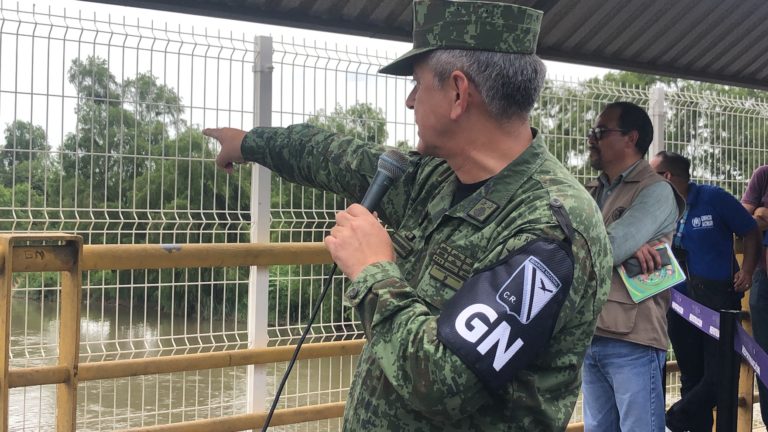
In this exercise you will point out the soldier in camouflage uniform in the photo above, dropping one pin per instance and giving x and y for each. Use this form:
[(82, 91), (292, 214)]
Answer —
[(480, 305)]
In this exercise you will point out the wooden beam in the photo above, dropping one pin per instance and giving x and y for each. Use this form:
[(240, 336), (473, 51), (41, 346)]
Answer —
[(214, 360), (253, 421)]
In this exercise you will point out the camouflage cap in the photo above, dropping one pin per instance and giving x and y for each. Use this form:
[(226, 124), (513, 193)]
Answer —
[(471, 25)]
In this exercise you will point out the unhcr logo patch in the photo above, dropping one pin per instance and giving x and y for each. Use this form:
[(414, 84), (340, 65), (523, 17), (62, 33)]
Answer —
[(528, 290)]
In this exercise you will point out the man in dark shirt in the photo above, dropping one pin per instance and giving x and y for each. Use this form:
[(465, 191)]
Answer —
[(703, 244)]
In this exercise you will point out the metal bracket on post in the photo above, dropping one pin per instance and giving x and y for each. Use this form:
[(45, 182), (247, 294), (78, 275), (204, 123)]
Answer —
[(258, 282), (728, 377), (658, 114)]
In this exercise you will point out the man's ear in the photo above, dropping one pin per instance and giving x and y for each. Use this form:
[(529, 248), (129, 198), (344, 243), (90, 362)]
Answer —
[(632, 137), (460, 87)]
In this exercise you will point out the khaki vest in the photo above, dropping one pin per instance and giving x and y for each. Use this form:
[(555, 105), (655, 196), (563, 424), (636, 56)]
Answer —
[(644, 323)]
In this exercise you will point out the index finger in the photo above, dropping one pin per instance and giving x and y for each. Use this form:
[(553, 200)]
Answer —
[(655, 256), (212, 133)]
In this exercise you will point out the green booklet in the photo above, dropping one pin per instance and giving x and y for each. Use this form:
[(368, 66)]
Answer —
[(642, 286)]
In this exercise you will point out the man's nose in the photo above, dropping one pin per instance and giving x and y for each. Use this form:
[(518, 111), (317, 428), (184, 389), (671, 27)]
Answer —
[(410, 100)]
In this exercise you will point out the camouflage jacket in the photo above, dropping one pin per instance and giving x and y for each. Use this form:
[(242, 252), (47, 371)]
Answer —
[(406, 380)]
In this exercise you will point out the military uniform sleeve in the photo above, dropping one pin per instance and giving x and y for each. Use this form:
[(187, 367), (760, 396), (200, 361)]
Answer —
[(314, 157), (403, 336), (448, 374)]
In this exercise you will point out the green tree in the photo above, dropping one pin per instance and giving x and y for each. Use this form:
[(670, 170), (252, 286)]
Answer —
[(133, 166), (288, 284), (362, 121), (119, 128), (28, 174), (24, 142), (153, 102)]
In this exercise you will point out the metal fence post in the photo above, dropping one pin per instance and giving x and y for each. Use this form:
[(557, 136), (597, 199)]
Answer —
[(258, 282), (728, 378), (657, 112)]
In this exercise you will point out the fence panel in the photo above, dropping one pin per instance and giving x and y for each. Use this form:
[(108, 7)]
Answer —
[(102, 138), (102, 119)]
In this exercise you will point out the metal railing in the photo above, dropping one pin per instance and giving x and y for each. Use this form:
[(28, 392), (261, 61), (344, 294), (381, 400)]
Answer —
[(102, 113), (66, 254)]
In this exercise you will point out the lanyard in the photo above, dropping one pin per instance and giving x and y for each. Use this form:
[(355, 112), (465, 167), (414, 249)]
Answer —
[(678, 240)]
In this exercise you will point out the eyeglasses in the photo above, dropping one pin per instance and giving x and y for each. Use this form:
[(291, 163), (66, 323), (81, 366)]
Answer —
[(661, 173), (598, 133)]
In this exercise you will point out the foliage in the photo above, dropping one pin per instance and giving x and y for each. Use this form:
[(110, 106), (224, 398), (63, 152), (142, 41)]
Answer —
[(127, 167), (289, 284), (362, 121), (131, 166)]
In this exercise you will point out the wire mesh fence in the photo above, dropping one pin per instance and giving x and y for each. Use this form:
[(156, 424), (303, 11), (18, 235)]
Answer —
[(103, 119), (103, 138)]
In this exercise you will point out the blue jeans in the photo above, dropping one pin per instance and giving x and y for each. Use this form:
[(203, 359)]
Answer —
[(622, 386), (758, 308)]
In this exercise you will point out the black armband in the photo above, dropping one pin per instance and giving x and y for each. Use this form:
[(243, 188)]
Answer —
[(504, 316)]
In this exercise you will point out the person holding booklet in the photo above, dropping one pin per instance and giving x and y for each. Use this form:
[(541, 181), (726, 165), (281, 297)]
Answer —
[(623, 367), (703, 244)]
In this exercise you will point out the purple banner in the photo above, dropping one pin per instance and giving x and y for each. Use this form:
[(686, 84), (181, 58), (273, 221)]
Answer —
[(752, 353), (708, 321), (699, 315)]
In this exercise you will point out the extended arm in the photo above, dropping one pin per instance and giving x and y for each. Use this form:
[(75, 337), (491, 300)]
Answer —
[(314, 157), (752, 251)]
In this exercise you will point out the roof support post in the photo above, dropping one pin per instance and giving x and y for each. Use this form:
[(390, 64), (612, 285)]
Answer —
[(258, 282), (657, 112)]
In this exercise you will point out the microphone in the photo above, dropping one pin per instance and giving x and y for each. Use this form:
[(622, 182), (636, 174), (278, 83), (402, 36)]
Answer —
[(392, 166)]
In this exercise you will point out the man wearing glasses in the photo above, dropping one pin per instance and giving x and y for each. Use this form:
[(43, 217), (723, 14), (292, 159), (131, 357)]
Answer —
[(622, 371)]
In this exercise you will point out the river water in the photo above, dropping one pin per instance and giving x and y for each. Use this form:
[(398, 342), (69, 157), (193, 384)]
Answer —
[(111, 332)]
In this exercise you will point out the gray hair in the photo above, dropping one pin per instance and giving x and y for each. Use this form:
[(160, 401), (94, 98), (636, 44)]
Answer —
[(508, 83)]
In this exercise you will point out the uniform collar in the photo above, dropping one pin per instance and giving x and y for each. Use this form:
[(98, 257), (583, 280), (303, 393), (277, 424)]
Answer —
[(483, 205), (630, 175)]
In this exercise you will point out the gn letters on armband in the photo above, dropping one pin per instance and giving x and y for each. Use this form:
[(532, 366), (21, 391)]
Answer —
[(503, 317)]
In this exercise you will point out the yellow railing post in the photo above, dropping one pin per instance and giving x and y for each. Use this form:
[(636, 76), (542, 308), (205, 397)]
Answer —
[(6, 285), (69, 336), (53, 252), (746, 380), (746, 373)]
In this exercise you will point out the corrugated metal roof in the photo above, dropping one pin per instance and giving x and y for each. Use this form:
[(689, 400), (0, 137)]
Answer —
[(723, 41)]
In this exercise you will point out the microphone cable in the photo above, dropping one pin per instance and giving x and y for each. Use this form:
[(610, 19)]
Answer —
[(391, 166), (295, 355)]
